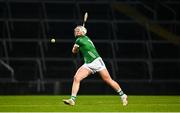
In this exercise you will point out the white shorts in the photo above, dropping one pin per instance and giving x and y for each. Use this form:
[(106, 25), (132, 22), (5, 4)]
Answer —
[(95, 66)]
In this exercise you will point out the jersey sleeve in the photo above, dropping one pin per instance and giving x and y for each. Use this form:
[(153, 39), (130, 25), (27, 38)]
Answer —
[(78, 42)]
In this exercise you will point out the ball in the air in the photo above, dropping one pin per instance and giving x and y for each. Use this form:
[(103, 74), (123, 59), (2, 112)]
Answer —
[(53, 40)]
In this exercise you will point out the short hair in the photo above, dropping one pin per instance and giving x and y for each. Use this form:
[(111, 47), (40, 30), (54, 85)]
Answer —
[(82, 29)]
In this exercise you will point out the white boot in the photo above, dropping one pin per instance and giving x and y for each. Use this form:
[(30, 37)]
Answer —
[(124, 99), (69, 102)]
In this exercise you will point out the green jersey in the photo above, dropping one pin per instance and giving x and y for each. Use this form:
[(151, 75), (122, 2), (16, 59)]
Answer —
[(87, 48)]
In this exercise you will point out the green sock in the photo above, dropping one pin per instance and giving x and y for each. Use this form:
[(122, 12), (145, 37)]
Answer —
[(121, 93), (73, 98)]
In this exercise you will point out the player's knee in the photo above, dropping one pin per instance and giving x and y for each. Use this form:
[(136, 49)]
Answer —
[(77, 79), (107, 80)]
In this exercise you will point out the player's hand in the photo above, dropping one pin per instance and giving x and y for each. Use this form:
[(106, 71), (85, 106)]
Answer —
[(75, 49)]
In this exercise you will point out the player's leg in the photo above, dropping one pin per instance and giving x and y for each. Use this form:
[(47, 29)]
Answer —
[(107, 78), (81, 73)]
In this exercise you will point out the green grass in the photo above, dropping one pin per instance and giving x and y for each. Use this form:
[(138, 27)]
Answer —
[(89, 104)]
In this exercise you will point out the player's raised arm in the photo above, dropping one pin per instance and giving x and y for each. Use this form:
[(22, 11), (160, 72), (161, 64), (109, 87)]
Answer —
[(75, 49)]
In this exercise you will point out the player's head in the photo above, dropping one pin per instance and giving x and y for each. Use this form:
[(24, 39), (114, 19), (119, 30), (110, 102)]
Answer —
[(80, 31)]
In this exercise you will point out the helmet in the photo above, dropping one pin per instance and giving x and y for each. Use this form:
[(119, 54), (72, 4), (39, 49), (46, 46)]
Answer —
[(82, 29)]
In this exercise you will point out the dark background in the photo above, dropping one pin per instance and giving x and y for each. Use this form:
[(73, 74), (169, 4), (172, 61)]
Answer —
[(138, 40)]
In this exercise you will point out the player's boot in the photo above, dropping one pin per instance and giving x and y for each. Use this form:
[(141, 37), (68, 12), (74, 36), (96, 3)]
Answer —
[(124, 99), (69, 102)]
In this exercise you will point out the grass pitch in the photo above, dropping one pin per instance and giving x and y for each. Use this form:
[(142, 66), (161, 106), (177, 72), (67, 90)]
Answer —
[(89, 104)]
